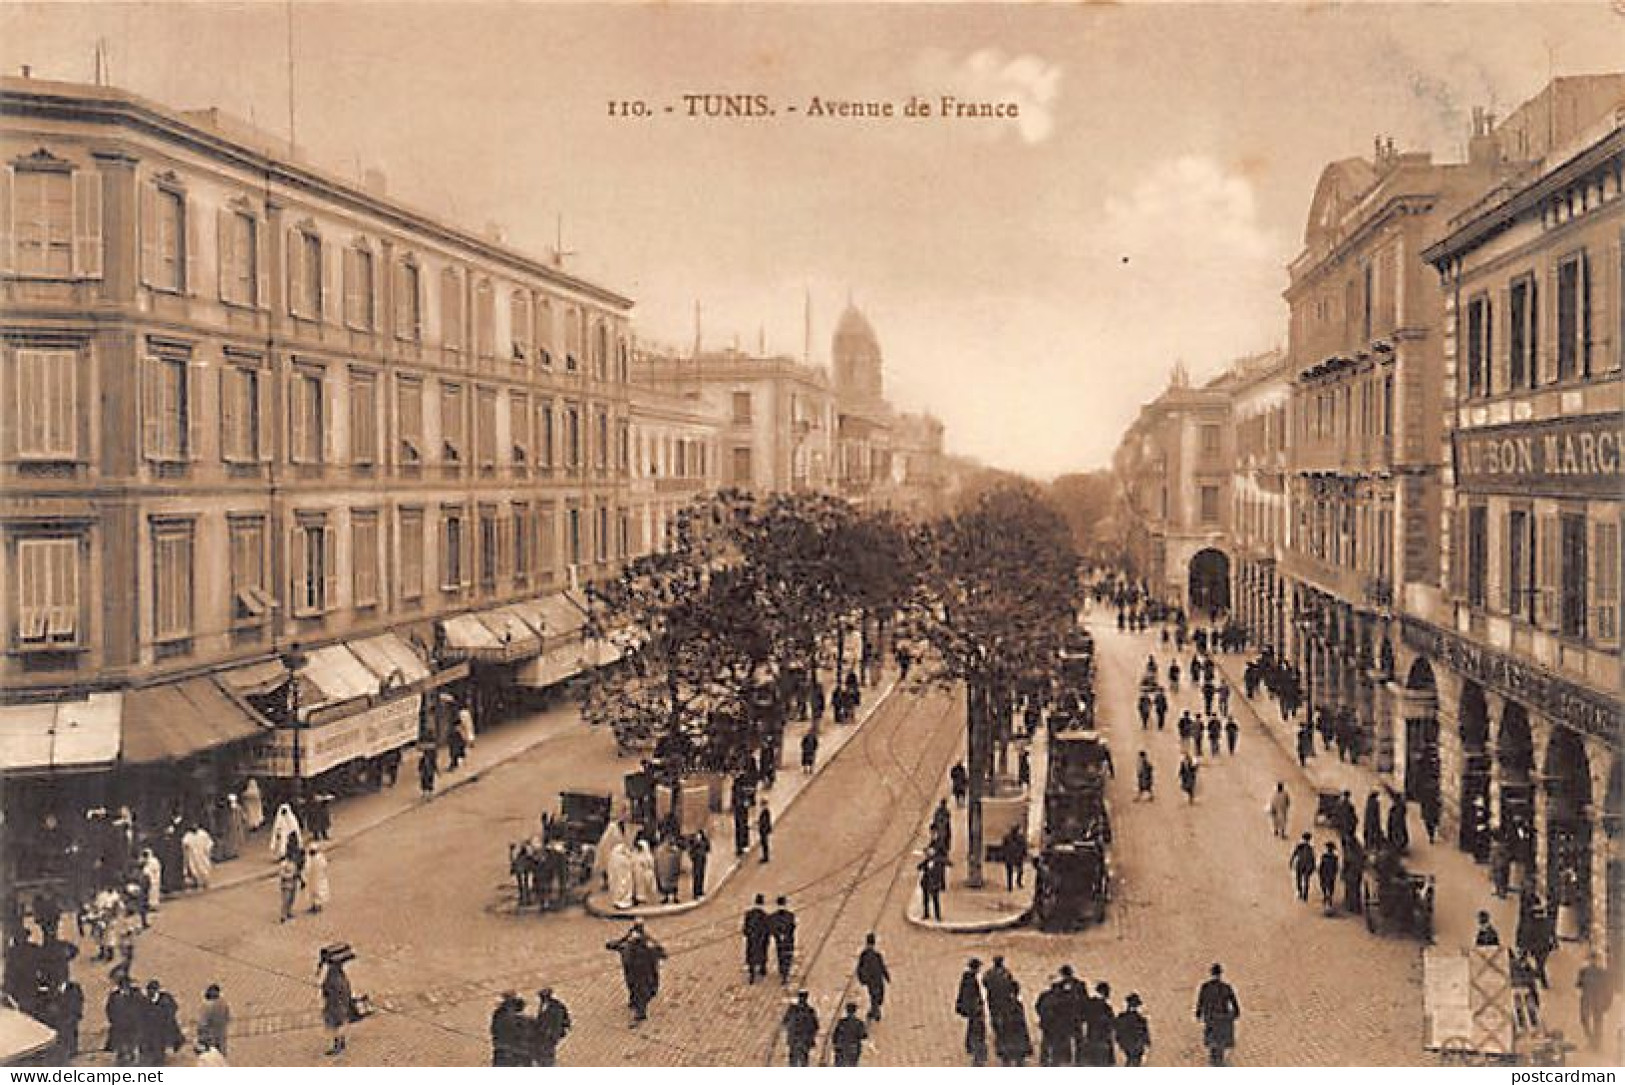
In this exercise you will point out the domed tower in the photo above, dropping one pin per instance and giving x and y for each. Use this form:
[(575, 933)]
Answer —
[(856, 353)]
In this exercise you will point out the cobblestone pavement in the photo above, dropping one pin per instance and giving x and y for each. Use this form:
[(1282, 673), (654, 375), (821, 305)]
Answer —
[(426, 901)]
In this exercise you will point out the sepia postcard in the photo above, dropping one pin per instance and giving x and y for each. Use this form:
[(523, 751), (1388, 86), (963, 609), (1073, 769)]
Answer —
[(761, 535)]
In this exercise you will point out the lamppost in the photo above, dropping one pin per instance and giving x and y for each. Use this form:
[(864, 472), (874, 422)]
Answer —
[(294, 660)]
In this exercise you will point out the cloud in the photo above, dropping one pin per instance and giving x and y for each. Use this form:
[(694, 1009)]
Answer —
[(989, 75)]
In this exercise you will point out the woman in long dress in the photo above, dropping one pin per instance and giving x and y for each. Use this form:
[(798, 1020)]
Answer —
[(316, 878), (253, 805), (620, 876), (645, 888), (152, 875), (197, 846), (284, 826)]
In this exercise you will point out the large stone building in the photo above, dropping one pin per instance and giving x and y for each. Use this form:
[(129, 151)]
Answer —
[(257, 418), (1366, 346), (1512, 663), (1173, 465), (676, 458), (1260, 390)]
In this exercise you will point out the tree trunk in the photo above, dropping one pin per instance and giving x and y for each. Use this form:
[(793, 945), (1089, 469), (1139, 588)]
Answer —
[(976, 715)]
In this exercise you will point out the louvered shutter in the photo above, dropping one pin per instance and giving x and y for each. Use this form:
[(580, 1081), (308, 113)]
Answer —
[(332, 450), (152, 407), (298, 571), (87, 224), (195, 414), (1547, 545), (327, 269), (1587, 315), (151, 235), (226, 263), (295, 256), (330, 567), (262, 265), (193, 226), (263, 380), (228, 412), (352, 286), (8, 220)]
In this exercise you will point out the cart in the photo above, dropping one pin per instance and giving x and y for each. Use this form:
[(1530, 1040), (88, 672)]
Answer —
[(1327, 802), (556, 869)]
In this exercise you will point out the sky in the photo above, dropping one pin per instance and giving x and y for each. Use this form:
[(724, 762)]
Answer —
[(1032, 280)]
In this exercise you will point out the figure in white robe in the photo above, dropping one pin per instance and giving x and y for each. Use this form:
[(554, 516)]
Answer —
[(253, 805), (152, 873), (613, 837), (197, 848), (644, 886), (620, 876), (284, 826), (321, 891)]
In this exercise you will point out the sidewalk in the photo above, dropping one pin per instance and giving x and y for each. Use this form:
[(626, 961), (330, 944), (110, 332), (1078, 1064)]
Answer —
[(360, 814), (1461, 888), (992, 907), (788, 786)]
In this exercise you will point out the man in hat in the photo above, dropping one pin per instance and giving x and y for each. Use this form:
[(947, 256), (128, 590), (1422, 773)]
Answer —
[(508, 1028), (1328, 875), (160, 1025), (969, 1005), (124, 1020), (1487, 934), (848, 1037), (1133, 1032), (800, 1029), (548, 1028), (781, 925), (640, 968), (1303, 864), (872, 973), (214, 1020), (757, 934), (1217, 1009)]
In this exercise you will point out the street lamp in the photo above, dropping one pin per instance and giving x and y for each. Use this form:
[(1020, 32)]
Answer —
[(293, 659)]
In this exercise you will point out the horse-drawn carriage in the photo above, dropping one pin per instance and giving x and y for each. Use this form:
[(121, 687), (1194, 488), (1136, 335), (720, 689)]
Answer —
[(1396, 900), (555, 868)]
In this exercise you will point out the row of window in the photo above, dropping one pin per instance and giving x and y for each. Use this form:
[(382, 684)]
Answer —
[(499, 546), (57, 222), (1347, 534), (539, 432), (1361, 408), (1559, 572), (1501, 338)]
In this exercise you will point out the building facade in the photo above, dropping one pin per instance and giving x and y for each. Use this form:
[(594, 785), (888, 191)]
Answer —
[(676, 457), (1514, 662), (286, 416), (1260, 393), (1366, 346), (1174, 468)]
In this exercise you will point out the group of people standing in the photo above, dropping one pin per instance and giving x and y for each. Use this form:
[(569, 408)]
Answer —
[(1076, 1027), (638, 874)]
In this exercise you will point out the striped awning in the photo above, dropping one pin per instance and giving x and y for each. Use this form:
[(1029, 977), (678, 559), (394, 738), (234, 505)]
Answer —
[(177, 720)]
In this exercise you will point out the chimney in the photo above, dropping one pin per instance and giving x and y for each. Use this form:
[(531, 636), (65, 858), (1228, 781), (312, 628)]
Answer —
[(1483, 149), (375, 183)]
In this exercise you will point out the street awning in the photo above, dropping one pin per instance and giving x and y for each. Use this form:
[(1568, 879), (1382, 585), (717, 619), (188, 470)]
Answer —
[(600, 653), (333, 675), (513, 633), (551, 667), (466, 636), (21, 1036), (561, 617), (255, 679), (63, 736), (387, 655), (179, 719)]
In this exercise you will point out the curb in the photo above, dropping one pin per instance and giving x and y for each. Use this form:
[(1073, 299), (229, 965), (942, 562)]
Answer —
[(656, 911), (979, 926), (270, 871)]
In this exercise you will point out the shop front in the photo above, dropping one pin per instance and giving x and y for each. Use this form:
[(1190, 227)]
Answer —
[(185, 745)]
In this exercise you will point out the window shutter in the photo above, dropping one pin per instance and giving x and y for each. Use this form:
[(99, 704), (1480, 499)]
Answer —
[(152, 407), (262, 264), (226, 264), (294, 254), (195, 413), (330, 567), (262, 412), (228, 411), (296, 418), (151, 232), (352, 286), (327, 263), (297, 571), (193, 226), (1550, 562), (1587, 303), (380, 275), (332, 452), (87, 224), (8, 216)]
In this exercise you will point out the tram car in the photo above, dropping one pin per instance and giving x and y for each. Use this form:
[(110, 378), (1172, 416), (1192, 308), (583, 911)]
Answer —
[(1074, 882)]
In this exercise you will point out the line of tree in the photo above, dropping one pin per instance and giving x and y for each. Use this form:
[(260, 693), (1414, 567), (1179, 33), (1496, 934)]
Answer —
[(754, 594)]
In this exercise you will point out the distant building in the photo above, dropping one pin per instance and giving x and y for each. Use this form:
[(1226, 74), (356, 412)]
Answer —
[(676, 458), (1173, 465), (1260, 390)]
